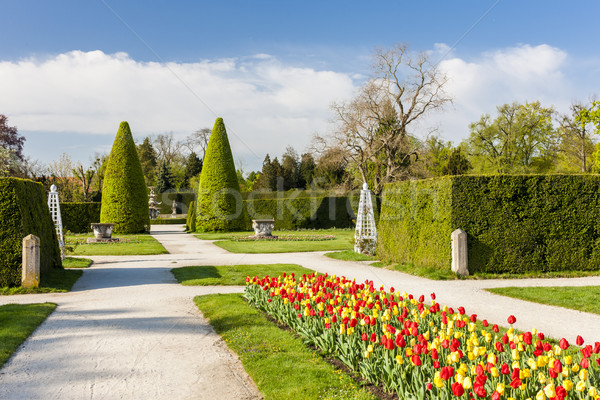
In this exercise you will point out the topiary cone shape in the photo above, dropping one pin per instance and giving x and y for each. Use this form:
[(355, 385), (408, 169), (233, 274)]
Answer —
[(124, 192), (219, 203)]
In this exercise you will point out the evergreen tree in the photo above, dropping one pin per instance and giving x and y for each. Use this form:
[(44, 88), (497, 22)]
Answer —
[(147, 156), (290, 169), (278, 171), (124, 191), (219, 201), (193, 166), (268, 177), (164, 179), (306, 170)]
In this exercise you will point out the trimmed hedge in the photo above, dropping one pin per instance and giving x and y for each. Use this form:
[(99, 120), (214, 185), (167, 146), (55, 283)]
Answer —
[(219, 206), (183, 200), (514, 223), (301, 212), (24, 211), (168, 221), (124, 192), (77, 217), (190, 223)]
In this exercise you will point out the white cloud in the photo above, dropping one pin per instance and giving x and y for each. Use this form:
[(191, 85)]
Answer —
[(522, 73), (266, 104)]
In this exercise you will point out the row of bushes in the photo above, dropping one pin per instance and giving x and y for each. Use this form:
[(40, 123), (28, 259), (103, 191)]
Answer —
[(514, 223), (24, 211)]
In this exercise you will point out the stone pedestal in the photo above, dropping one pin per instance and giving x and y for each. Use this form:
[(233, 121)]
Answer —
[(31, 262), (263, 227), (102, 233), (460, 262)]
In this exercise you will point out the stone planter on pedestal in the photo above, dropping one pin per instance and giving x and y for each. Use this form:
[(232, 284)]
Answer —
[(263, 228), (102, 233)]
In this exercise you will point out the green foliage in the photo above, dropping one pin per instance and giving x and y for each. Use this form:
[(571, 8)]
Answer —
[(514, 223), (219, 201), (190, 223), (124, 193), (24, 211), (17, 322), (193, 167), (168, 221), (77, 217), (295, 212), (147, 156), (182, 200), (581, 298), (164, 179)]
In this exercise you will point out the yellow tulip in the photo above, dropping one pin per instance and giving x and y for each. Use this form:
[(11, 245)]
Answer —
[(575, 368), (593, 392), (467, 384), (580, 387), (399, 359), (370, 348), (437, 380), (367, 354), (515, 355), (540, 395), (541, 378), (500, 389), (549, 390), (567, 384), (568, 360), (494, 372), (526, 373), (471, 355)]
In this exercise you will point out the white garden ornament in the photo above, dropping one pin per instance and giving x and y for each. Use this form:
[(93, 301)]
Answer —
[(365, 235), (54, 207)]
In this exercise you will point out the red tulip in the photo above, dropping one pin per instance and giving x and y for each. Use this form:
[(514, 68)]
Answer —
[(373, 338), (512, 319), (432, 296), (540, 336), (496, 396), (461, 310), (561, 393), (597, 347), (495, 328), (473, 317), (515, 373), (516, 383), (429, 386), (363, 337), (585, 363), (579, 340), (504, 369), (485, 323), (457, 389), (416, 359), (421, 299), (563, 343)]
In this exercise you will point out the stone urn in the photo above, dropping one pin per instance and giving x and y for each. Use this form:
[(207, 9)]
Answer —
[(263, 227), (102, 233)]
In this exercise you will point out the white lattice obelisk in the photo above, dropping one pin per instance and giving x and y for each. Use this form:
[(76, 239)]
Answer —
[(365, 235), (54, 207)]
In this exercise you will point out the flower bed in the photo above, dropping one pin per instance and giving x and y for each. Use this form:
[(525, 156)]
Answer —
[(288, 238), (425, 351)]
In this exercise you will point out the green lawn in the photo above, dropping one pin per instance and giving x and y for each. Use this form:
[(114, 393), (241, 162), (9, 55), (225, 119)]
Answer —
[(279, 363), (343, 241), (76, 262), (581, 298), (350, 255), (139, 244), (56, 281), (425, 272), (232, 274), (17, 322)]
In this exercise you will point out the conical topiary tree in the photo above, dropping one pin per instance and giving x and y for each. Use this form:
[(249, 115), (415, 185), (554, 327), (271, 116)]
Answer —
[(124, 192), (219, 203)]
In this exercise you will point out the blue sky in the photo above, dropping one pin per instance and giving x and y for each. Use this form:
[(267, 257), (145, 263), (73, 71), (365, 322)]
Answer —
[(270, 68)]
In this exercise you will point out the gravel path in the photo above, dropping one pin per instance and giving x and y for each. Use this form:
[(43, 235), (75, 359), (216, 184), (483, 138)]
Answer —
[(127, 330)]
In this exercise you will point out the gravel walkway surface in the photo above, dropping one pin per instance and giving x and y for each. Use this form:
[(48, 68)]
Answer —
[(127, 330)]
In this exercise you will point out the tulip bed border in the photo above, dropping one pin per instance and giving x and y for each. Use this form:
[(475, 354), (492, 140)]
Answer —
[(421, 351)]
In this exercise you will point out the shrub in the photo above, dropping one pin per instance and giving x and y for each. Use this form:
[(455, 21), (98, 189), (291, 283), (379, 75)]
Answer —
[(219, 200), (124, 192), (77, 217), (168, 221), (24, 211), (302, 212), (514, 223), (182, 200), (190, 223)]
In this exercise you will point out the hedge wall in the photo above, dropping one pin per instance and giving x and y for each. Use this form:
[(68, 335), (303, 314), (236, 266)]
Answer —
[(305, 212), (24, 211), (77, 217), (183, 200), (514, 223)]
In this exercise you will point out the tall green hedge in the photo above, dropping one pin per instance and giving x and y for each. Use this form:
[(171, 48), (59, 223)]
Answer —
[(190, 223), (124, 192), (78, 217), (219, 203), (182, 199), (514, 223), (301, 212), (24, 211)]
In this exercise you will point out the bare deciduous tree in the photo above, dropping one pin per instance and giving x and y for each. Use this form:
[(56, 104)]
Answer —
[(197, 141), (167, 148), (373, 128)]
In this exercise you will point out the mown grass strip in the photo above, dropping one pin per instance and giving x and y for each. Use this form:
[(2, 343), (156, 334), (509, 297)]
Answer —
[(129, 245), (56, 281), (76, 262), (232, 274), (17, 322), (350, 255), (279, 363), (581, 298)]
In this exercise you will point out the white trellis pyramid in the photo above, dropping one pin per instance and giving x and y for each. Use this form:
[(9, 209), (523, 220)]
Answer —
[(365, 235), (54, 207)]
